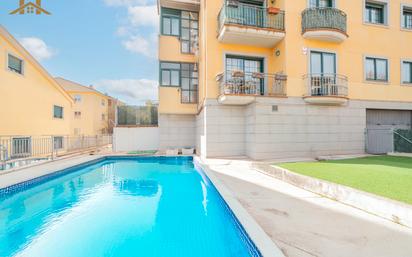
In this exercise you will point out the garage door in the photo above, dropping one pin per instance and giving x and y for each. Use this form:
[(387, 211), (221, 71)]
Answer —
[(380, 123)]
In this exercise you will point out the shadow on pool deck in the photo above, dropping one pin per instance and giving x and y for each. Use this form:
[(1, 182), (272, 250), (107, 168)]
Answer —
[(305, 224)]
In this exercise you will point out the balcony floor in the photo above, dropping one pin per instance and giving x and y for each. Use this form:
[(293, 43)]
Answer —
[(247, 35)]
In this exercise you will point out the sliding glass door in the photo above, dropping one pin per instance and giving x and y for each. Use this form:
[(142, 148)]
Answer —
[(322, 73), (246, 73)]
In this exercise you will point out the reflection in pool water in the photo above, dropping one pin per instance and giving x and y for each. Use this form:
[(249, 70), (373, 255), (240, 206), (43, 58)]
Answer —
[(134, 207)]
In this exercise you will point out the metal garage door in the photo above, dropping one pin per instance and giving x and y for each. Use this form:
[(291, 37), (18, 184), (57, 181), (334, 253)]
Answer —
[(379, 127)]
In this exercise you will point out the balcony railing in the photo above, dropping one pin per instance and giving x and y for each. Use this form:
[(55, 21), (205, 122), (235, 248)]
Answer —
[(323, 18), (252, 16), (251, 83), (332, 85)]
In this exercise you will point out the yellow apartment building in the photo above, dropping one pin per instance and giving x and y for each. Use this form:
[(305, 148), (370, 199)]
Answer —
[(278, 79), (32, 102), (90, 109)]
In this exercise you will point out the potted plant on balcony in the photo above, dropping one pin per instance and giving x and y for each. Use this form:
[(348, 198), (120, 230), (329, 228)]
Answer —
[(273, 10)]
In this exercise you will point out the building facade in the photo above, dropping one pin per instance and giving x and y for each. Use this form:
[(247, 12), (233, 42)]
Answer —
[(279, 79), (90, 109), (32, 102)]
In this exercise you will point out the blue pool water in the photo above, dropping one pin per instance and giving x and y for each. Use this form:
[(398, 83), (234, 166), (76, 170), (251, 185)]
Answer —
[(122, 207)]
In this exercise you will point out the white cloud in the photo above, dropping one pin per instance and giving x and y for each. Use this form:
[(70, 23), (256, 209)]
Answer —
[(141, 45), (143, 16), (132, 91), (37, 47)]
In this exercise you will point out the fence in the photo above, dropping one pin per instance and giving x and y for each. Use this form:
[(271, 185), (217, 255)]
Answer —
[(137, 115), (386, 140), (402, 141), (24, 148)]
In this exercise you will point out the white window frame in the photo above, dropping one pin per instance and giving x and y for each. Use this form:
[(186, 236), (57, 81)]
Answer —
[(8, 54), (77, 98), (385, 12), (402, 61), (382, 82), (403, 6)]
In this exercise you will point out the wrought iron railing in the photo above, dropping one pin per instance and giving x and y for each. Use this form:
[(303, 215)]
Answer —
[(251, 83), (23, 148), (237, 13), (326, 84), (323, 18)]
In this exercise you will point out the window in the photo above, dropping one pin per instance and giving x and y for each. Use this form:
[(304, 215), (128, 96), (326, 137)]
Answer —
[(15, 64), (184, 75), (322, 63), (77, 98), (103, 102), (189, 83), (376, 69), (182, 24), (407, 18), (323, 74), (375, 13), (58, 112), (407, 72), (58, 143), (21, 147), (170, 74), (103, 117), (190, 32), (77, 115), (170, 22), (321, 3), (247, 66)]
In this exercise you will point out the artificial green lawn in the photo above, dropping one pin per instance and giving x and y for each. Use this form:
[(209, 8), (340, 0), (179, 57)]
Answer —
[(388, 176)]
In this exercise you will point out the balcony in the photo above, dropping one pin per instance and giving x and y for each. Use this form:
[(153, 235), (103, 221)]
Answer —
[(242, 88), (190, 5), (326, 89), (240, 23), (325, 24)]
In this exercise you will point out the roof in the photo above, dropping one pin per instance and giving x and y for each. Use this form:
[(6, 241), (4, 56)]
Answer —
[(29, 58), (71, 86)]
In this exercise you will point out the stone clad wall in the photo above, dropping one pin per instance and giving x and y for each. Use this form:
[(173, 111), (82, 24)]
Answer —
[(177, 131)]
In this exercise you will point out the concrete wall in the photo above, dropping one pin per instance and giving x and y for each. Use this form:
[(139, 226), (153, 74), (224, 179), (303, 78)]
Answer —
[(135, 139), (225, 129), (295, 129), (177, 131)]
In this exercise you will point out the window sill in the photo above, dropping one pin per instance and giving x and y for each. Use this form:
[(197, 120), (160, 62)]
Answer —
[(406, 29), (378, 25), (406, 84), (376, 82), (15, 72)]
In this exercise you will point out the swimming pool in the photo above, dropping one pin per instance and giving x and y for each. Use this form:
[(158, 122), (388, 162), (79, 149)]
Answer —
[(144, 206)]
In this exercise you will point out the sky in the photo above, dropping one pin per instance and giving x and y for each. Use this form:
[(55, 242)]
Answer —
[(110, 44)]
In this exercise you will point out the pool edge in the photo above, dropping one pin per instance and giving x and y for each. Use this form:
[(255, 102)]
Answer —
[(256, 233), (258, 236)]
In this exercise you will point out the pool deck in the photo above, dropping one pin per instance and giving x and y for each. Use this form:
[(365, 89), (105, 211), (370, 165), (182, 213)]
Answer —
[(301, 223), (304, 224)]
